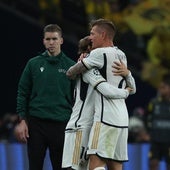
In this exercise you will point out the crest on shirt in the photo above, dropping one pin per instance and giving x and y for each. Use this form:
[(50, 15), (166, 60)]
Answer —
[(41, 69)]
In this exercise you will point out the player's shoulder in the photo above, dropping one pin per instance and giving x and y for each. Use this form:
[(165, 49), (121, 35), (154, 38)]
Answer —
[(113, 49), (118, 50), (101, 50), (35, 58), (97, 50), (96, 53), (107, 50)]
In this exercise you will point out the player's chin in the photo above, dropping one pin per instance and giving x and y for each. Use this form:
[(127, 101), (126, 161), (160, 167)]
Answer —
[(51, 50)]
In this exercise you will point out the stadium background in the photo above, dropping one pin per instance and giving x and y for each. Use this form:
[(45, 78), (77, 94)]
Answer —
[(21, 38)]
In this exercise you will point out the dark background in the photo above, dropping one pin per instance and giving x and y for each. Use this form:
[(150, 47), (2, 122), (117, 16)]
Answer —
[(21, 39)]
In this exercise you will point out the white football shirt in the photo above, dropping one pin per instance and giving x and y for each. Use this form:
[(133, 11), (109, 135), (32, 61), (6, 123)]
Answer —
[(83, 109), (112, 112)]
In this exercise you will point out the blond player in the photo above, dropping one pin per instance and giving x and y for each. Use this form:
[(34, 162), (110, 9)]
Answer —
[(79, 125), (108, 137)]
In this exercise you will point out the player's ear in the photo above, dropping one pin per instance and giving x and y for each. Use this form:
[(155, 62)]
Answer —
[(43, 41), (61, 40), (103, 34)]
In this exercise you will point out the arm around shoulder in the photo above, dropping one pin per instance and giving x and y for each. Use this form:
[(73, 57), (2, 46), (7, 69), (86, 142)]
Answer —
[(131, 83), (76, 69)]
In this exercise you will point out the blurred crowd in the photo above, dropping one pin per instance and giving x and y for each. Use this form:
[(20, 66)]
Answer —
[(143, 33), (138, 132), (143, 27), (7, 124), (137, 127)]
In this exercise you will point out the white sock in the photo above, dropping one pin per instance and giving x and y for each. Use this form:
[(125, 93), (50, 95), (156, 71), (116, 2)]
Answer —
[(100, 168)]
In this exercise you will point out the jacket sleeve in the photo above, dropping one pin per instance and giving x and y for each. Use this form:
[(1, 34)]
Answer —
[(24, 92)]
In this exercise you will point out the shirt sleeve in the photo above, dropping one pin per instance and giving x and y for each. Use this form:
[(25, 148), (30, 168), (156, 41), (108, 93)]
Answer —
[(94, 59), (112, 92), (94, 78), (131, 83)]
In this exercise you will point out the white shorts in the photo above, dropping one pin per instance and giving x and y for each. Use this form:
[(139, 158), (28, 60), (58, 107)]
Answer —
[(108, 142), (75, 149)]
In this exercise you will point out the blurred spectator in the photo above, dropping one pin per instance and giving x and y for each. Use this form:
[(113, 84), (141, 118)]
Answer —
[(158, 47), (131, 43), (1, 129), (158, 123), (50, 11), (7, 124), (96, 9), (158, 52), (137, 129)]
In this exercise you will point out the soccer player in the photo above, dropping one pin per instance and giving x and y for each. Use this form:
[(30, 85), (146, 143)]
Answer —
[(108, 137), (158, 124), (79, 125)]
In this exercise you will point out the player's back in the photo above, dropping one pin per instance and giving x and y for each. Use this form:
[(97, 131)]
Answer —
[(83, 109), (103, 59), (110, 111)]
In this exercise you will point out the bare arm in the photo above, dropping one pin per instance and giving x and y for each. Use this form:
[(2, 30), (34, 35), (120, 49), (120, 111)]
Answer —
[(76, 69)]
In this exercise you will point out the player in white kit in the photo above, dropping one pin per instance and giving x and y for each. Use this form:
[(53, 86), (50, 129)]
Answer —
[(79, 125), (108, 137)]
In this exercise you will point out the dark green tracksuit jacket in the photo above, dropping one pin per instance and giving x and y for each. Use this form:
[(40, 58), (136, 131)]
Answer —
[(44, 90)]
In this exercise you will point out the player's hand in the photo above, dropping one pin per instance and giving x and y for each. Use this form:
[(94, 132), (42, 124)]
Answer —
[(21, 131), (83, 55), (70, 75), (120, 69), (129, 89)]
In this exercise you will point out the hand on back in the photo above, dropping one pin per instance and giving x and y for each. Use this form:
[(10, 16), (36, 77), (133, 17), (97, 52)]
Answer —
[(120, 69)]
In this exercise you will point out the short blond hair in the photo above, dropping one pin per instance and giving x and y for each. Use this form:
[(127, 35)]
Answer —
[(105, 25)]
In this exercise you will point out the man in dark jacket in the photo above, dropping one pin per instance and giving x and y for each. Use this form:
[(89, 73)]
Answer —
[(44, 101)]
